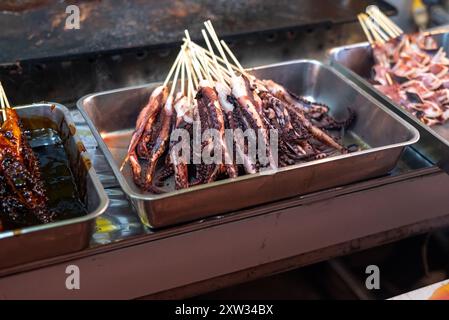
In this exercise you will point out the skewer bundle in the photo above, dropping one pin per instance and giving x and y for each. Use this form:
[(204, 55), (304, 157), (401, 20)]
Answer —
[(412, 70), (210, 105), (378, 28)]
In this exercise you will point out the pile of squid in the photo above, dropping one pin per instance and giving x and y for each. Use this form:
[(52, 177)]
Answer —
[(221, 95), (22, 193), (412, 70)]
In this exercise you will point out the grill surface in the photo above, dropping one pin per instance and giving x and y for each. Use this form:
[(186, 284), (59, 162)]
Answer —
[(37, 28)]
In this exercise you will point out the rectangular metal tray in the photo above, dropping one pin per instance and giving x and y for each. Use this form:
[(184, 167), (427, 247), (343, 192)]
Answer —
[(355, 62), (111, 116), (49, 240)]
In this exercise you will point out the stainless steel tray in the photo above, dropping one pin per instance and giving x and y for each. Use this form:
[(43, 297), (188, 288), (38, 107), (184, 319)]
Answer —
[(111, 116), (355, 61), (44, 241)]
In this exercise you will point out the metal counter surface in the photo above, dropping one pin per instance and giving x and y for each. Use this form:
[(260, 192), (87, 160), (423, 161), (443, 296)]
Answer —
[(239, 246)]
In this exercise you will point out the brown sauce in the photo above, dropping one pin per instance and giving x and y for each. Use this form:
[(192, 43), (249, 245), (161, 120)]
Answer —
[(59, 182), (62, 191)]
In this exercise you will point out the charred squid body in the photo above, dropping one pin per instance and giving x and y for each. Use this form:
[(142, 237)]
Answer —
[(184, 121), (150, 131), (216, 122), (145, 121), (221, 105), (224, 93), (24, 200), (238, 120), (206, 98), (159, 144), (252, 115)]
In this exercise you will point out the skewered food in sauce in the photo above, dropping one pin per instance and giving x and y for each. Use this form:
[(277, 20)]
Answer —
[(22, 193)]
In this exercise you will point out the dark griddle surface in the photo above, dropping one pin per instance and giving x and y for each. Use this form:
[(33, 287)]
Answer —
[(34, 29)]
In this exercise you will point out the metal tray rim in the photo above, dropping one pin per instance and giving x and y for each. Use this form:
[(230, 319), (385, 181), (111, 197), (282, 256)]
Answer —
[(140, 196), (104, 199), (370, 87)]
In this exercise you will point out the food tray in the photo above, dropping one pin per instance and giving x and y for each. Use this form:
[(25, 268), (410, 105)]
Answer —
[(356, 61), (44, 241), (111, 116)]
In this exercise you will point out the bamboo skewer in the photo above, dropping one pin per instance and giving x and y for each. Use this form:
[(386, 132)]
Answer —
[(391, 33), (365, 29), (190, 89), (214, 57), (218, 67), (214, 36), (5, 98), (212, 60), (389, 80), (436, 31), (233, 57), (386, 25), (175, 78), (377, 27), (373, 29), (173, 67), (188, 80), (196, 67), (192, 71), (183, 69), (197, 76), (3, 109), (206, 66), (4, 103), (199, 62), (219, 73), (208, 53), (374, 11)]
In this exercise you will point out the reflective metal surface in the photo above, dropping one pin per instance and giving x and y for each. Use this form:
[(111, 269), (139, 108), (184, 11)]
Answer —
[(44, 241), (356, 61), (111, 116)]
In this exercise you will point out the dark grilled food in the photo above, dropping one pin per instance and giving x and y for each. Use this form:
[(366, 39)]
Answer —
[(22, 193)]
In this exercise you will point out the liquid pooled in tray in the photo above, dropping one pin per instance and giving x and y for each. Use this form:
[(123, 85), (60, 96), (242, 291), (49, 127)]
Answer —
[(64, 201), (62, 191)]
